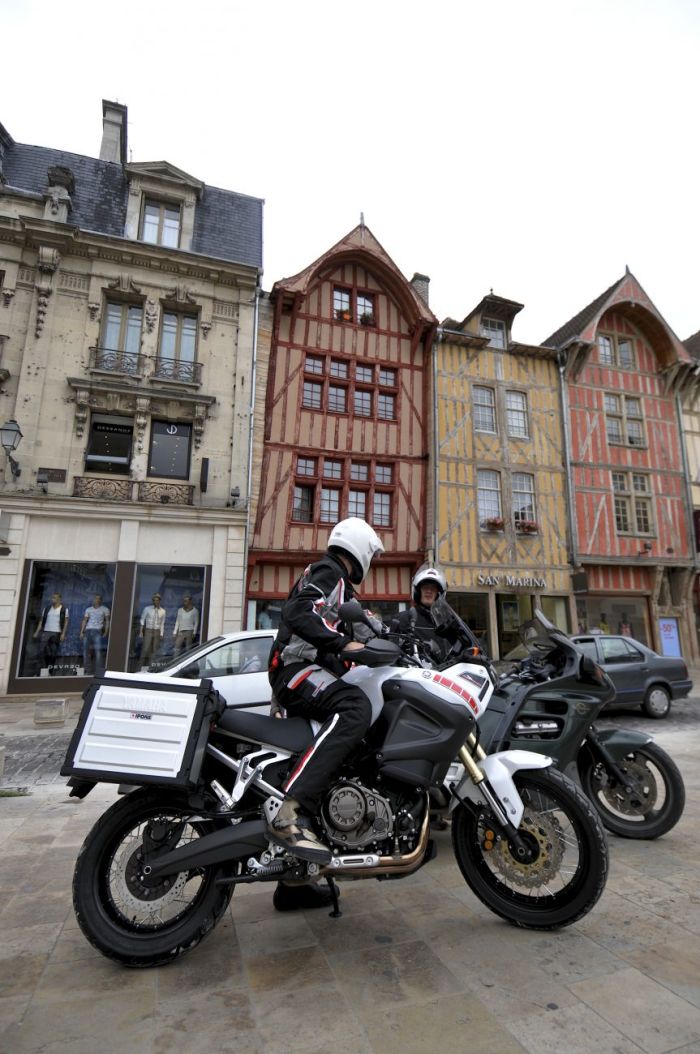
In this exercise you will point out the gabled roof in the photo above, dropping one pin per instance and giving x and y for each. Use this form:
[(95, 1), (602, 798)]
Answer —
[(692, 345), (630, 299), (496, 307), (228, 226), (165, 172), (361, 245)]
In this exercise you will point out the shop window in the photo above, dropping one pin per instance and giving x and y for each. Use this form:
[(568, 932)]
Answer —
[(160, 223), (489, 497), (59, 596), (109, 444), (516, 415), (303, 504), (170, 450), (484, 404), (495, 331), (160, 613)]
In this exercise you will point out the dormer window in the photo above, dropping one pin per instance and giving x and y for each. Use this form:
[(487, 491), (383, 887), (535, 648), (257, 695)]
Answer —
[(160, 224), (495, 330)]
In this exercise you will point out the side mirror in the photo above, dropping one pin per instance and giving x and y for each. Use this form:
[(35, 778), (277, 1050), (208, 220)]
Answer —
[(191, 672), (352, 611)]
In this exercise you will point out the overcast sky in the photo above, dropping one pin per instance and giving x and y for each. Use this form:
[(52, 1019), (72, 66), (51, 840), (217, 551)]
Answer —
[(532, 147)]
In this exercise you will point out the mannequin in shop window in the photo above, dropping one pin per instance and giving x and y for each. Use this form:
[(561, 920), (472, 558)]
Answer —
[(51, 629), (624, 627), (94, 630), (152, 629), (186, 626)]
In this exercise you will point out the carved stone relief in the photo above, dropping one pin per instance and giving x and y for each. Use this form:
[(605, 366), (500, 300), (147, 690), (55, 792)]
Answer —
[(151, 314)]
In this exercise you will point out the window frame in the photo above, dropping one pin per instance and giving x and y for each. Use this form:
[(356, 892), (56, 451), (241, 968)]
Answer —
[(310, 490), (522, 411), (490, 326), (167, 475), (529, 492), (479, 407), (123, 463), (163, 205), (613, 357), (631, 504), (485, 513), (623, 418), (378, 479)]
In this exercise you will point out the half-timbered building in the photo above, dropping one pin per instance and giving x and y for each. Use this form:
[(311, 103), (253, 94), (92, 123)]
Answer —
[(501, 525), (347, 422), (631, 511)]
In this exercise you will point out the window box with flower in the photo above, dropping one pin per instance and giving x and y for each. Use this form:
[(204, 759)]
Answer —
[(367, 318), (527, 526), (494, 523)]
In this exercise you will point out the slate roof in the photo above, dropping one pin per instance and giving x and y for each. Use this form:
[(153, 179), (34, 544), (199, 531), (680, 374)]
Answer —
[(228, 226), (575, 326), (692, 345)]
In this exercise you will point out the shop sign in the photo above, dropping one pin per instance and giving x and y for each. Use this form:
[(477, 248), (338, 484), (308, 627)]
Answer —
[(512, 581)]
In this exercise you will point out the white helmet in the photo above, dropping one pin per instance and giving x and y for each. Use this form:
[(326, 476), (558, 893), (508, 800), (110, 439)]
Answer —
[(424, 575), (357, 540)]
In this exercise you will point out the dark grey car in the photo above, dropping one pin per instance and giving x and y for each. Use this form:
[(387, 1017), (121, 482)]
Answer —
[(640, 675)]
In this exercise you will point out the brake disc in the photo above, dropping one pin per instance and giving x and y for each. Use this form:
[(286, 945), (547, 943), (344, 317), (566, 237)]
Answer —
[(545, 830), (643, 792)]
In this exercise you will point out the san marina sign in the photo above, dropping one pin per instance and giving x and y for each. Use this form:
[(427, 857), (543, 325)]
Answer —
[(513, 581)]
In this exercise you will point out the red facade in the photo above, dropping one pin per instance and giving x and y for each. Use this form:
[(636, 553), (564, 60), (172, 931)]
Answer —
[(347, 421)]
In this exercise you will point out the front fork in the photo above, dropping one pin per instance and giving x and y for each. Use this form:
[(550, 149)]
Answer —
[(602, 754), (469, 754)]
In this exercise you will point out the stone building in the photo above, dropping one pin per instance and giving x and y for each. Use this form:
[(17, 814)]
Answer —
[(131, 333), (500, 484)]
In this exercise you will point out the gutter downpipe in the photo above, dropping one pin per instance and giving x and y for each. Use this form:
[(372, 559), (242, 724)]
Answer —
[(691, 519), (573, 522), (249, 481), (436, 448)]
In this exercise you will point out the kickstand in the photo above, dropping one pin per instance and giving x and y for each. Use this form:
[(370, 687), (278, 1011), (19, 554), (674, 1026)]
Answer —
[(336, 912)]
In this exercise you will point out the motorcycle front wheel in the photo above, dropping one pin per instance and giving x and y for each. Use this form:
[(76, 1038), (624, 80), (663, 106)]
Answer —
[(128, 917), (568, 864), (651, 803)]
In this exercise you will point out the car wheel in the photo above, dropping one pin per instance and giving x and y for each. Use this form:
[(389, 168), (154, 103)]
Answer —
[(657, 701)]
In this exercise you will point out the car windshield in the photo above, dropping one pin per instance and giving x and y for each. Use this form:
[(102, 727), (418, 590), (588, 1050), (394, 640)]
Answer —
[(174, 664)]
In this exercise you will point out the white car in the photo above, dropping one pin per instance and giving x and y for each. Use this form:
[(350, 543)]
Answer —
[(236, 663)]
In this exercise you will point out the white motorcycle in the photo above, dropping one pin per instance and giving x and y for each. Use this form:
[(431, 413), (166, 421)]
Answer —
[(157, 871)]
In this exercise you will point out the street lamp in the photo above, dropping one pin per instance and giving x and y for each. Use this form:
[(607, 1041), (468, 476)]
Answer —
[(11, 437)]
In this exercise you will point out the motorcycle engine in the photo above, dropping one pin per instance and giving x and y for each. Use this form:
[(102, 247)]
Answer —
[(355, 817)]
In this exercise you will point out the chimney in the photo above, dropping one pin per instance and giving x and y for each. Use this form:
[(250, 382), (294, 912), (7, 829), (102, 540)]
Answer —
[(421, 284), (113, 146)]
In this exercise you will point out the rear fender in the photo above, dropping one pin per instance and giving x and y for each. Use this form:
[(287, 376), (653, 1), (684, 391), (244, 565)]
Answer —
[(499, 770)]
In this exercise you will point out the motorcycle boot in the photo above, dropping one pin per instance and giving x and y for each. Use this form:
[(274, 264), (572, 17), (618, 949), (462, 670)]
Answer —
[(291, 830)]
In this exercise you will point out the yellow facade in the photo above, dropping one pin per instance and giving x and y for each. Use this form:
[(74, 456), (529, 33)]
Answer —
[(496, 573)]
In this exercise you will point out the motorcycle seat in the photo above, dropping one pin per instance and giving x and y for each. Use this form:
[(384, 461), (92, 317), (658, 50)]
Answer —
[(290, 733)]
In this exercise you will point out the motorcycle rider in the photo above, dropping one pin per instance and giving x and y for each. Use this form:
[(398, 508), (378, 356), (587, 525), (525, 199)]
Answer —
[(309, 655), (428, 584)]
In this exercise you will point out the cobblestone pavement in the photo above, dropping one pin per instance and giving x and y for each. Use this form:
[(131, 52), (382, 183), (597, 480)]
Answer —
[(411, 966), (35, 759)]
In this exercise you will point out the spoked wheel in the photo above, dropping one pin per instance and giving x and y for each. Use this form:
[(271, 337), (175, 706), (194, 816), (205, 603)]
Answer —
[(566, 864), (133, 917), (649, 805)]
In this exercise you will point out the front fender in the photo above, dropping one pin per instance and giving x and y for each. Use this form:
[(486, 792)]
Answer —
[(499, 770), (619, 742)]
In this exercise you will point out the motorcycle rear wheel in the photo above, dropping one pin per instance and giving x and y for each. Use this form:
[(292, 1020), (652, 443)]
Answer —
[(140, 922), (653, 806), (568, 874)]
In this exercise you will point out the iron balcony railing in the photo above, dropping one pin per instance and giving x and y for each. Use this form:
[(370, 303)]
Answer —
[(111, 360), (177, 370)]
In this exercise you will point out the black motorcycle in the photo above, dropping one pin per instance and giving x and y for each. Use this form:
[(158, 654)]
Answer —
[(541, 704)]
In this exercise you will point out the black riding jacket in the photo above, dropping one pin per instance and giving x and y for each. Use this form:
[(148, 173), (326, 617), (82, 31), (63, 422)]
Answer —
[(310, 629)]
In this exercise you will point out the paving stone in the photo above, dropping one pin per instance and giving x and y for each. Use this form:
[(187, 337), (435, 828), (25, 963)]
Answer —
[(392, 974), (451, 1024)]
